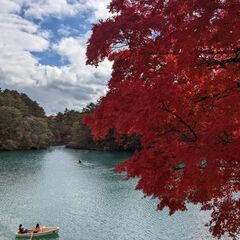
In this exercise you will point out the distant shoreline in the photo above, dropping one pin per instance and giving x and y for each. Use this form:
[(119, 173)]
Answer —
[(66, 147)]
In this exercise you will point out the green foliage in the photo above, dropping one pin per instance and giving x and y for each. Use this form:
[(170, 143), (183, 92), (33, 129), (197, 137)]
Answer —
[(28, 107), (61, 125), (22, 122), (23, 125), (90, 107)]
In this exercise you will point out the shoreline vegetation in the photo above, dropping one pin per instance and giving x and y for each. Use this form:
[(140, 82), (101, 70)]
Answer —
[(24, 126)]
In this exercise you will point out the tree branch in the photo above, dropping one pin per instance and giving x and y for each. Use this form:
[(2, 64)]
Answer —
[(194, 139)]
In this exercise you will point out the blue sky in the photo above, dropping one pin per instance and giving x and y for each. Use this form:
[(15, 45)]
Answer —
[(43, 46), (69, 26)]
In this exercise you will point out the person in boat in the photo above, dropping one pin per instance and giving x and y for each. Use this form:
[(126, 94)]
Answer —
[(37, 229), (21, 229)]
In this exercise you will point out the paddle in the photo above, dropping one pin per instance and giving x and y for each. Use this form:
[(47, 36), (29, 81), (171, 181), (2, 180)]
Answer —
[(31, 235)]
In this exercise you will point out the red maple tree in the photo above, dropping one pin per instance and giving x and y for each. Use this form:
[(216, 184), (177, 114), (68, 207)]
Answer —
[(176, 83)]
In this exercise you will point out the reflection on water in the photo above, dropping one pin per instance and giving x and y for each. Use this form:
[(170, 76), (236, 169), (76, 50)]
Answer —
[(88, 201)]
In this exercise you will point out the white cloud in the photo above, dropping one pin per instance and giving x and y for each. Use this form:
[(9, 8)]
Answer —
[(17, 38), (41, 8), (67, 31), (98, 9), (8, 6), (55, 87), (21, 34), (59, 8), (76, 72)]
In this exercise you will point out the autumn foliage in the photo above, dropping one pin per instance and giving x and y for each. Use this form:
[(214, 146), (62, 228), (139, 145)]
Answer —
[(176, 83)]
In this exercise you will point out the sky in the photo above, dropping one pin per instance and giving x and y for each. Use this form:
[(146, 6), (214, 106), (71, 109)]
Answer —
[(42, 51)]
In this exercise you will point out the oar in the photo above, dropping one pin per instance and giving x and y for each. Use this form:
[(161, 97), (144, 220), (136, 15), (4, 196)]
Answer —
[(31, 236)]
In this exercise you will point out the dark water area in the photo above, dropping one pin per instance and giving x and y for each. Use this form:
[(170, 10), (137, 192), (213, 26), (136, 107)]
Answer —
[(88, 201)]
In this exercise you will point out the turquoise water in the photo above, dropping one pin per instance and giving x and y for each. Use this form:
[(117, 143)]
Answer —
[(87, 201)]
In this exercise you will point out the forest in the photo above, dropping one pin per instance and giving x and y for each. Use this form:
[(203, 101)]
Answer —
[(24, 125)]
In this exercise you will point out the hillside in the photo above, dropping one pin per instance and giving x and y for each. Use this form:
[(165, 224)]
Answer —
[(24, 125)]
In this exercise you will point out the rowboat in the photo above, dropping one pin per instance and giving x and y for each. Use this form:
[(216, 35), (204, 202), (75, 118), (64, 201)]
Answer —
[(45, 231)]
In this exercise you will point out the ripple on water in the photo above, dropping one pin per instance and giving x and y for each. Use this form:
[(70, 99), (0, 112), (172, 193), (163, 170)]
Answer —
[(87, 201)]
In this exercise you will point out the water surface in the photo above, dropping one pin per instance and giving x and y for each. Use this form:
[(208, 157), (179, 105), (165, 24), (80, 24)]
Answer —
[(87, 201)]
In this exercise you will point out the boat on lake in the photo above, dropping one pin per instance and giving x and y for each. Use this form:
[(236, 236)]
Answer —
[(44, 231)]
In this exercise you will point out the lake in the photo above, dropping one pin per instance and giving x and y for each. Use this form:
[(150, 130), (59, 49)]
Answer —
[(87, 201)]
